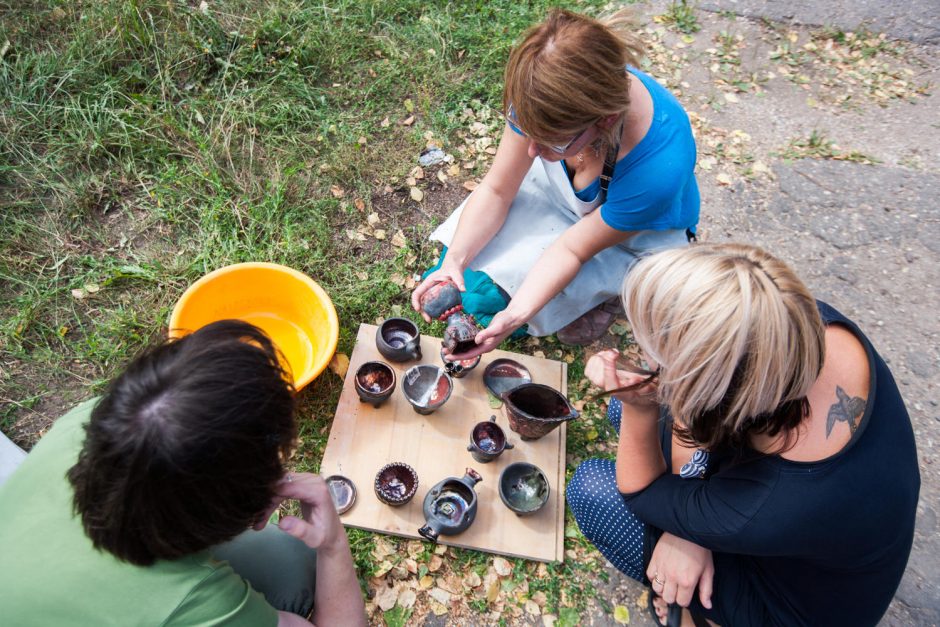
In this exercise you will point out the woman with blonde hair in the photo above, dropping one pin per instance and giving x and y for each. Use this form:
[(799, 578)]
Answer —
[(595, 167), (765, 459)]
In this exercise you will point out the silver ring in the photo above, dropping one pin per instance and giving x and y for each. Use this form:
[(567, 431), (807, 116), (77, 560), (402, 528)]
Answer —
[(656, 579)]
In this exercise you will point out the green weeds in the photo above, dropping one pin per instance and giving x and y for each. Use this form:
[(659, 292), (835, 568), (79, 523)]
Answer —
[(818, 146), (681, 16)]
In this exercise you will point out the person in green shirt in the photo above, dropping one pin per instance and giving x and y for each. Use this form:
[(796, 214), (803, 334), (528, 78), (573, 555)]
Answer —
[(148, 506)]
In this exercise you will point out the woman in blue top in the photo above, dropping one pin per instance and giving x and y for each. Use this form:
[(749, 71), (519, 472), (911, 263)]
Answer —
[(768, 449), (595, 167)]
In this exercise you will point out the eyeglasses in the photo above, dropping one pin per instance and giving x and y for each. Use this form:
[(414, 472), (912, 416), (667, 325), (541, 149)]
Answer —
[(513, 124)]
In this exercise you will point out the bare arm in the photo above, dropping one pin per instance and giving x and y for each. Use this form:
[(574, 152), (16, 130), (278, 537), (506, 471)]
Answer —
[(337, 599), (557, 266), (485, 211), (639, 457)]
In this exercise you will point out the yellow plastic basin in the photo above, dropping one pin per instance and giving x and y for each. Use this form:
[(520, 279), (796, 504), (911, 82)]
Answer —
[(289, 306)]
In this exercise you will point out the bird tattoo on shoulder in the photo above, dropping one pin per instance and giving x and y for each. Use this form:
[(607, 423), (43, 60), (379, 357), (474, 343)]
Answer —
[(846, 409)]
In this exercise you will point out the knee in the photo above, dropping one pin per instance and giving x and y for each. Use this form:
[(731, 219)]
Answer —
[(592, 487)]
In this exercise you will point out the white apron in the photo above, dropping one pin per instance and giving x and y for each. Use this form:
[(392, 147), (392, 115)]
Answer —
[(545, 206)]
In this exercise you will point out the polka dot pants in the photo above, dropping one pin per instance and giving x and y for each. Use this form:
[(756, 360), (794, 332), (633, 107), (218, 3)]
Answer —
[(602, 513)]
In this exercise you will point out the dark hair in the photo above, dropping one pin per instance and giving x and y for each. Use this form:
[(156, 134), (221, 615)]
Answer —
[(184, 449)]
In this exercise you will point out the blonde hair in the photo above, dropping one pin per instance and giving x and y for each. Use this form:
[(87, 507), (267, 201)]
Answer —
[(737, 335), (569, 72)]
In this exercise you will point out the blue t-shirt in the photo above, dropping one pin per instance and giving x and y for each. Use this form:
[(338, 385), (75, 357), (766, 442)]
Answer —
[(653, 186)]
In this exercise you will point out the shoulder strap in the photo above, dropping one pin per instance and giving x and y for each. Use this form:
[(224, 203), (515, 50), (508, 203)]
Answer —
[(610, 161)]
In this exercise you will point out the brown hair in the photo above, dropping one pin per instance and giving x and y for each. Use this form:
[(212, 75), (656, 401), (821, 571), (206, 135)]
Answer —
[(569, 72), (185, 448), (738, 338)]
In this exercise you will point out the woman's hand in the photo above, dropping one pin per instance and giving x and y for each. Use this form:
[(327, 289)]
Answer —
[(677, 567), (320, 527), (449, 271), (601, 370), (501, 327)]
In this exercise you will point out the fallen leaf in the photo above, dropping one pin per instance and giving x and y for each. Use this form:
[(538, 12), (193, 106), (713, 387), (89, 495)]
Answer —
[(622, 615), (723, 178), (383, 569), (79, 293), (385, 123), (470, 185), (411, 565), (407, 598), (435, 564), (417, 172), (441, 176), (492, 592), (472, 580), (438, 609), (453, 170), (354, 235), (643, 600), (362, 141), (539, 598), (548, 620), (337, 191), (416, 194), (409, 105), (412, 181), (502, 566), (408, 121), (92, 288), (539, 354), (379, 234), (386, 597), (495, 403), (532, 608), (452, 583), (339, 365), (731, 98), (440, 549), (426, 582), (440, 595), (398, 239)]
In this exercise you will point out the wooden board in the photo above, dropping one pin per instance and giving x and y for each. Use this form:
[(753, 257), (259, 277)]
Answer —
[(363, 439)]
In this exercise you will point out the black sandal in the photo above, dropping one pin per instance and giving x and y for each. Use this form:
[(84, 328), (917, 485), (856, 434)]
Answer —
[(673, 612)]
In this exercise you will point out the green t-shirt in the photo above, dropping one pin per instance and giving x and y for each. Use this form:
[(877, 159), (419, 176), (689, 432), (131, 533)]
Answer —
[(51, 574)]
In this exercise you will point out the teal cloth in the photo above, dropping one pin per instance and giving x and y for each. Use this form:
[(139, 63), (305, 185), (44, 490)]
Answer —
[(482, 299)]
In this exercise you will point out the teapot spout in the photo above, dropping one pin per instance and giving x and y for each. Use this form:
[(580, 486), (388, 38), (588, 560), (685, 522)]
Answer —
[(429, 533)]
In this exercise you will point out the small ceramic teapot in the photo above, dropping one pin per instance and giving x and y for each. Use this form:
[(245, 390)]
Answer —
[(487, 441), (442, 301), (398, 340), (450, 506), (460, 369)]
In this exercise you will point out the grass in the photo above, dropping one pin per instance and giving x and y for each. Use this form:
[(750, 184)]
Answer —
[(818, 146), (146, 142), (681, 16)]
